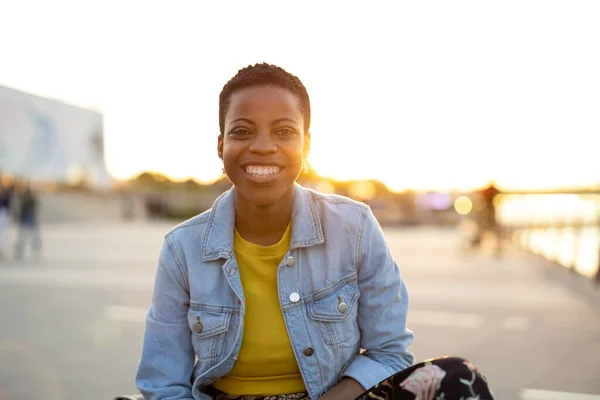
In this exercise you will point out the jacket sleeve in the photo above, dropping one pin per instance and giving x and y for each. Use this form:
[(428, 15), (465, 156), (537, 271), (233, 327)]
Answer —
[(166, 366), (382, 309)]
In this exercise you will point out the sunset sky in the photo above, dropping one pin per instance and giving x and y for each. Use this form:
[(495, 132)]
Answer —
[(425, 95)]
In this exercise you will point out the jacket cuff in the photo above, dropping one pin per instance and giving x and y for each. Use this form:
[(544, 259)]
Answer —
[(366, 371)]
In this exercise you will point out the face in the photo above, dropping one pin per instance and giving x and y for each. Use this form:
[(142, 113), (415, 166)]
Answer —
[(263, 143)]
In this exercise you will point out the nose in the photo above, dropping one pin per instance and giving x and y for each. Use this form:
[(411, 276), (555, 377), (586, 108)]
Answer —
[(263, 144)]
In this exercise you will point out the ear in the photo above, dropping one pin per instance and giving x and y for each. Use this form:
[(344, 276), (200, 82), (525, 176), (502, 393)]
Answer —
[(220, 147), (306, 148)]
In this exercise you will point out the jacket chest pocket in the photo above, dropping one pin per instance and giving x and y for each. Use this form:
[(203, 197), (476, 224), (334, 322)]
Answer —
[(335, 311), (208, 329)]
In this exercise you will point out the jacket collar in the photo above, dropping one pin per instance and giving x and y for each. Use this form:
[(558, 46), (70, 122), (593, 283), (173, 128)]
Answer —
[(218, 238)]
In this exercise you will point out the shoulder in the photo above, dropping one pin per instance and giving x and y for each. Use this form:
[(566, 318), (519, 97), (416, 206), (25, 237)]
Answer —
[(189, 233), (191, 224), (335, 201), (340, 211)]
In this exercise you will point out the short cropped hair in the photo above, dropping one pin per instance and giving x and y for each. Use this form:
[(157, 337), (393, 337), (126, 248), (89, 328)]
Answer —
[(259, 75)]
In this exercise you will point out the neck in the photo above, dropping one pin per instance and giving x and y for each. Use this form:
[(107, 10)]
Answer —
[(263, 225)]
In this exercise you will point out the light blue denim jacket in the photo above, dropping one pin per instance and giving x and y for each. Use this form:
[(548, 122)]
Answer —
[(338, 254)]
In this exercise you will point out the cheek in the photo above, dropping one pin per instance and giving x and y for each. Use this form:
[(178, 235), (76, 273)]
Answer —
[(294, 153), (230, 152), (228, 162)]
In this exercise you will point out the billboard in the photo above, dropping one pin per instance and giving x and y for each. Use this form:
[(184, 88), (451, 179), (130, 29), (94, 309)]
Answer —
[(47, 140)]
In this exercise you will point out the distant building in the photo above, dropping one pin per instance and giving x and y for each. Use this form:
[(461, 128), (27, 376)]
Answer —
[(50, 141)]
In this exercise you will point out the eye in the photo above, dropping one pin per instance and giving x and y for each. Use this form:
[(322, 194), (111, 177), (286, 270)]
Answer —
[(286, 132), (240, 133)]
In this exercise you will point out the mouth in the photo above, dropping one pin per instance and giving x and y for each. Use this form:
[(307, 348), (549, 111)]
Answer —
[(262, 173)]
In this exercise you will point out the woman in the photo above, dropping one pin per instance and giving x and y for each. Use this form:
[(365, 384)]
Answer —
[(275, 290)]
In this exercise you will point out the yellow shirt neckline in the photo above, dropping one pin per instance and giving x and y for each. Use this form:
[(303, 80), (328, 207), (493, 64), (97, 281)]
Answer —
[(246, 247)]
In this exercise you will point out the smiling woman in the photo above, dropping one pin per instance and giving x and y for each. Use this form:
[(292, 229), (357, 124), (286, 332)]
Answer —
[(263, 148), (275, 292)]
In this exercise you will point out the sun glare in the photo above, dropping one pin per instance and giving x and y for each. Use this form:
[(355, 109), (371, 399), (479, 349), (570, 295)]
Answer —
[(405, 101)]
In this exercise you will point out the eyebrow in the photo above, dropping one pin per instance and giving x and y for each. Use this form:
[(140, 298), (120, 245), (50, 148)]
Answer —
[(278, 120), (284, 119), (244, 120)]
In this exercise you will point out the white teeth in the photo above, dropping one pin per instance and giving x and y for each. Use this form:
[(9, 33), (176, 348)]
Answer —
[(261, 171)]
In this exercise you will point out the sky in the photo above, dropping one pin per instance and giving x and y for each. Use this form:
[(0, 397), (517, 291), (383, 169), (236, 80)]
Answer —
[(424, 95)]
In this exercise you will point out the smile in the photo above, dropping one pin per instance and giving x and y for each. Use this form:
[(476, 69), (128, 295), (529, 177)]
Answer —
[(262, 170), (262, 173)]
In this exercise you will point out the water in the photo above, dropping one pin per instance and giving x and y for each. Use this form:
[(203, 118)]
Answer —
[(563, 227)]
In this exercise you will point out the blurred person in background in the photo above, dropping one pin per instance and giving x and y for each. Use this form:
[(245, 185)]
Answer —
[(29, 229), (6, 197), (128, 204), (281, 292), (489, 223)]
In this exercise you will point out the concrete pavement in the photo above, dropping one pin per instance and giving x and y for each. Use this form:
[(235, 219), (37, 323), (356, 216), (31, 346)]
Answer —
[(72, 323)]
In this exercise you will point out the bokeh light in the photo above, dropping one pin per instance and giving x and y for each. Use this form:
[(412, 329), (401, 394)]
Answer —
[(463, 205)]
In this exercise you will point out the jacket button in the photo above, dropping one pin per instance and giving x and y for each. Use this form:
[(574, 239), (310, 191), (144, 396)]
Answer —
[(309, 351), (294, 297), (290, 261), (198, 326), (342, 307)]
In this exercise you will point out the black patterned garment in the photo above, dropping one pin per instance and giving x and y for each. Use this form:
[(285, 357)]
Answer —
[(216, 395), (445, 378)]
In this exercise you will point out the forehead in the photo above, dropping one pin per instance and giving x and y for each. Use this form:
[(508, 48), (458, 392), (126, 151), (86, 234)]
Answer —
[(265, 100)]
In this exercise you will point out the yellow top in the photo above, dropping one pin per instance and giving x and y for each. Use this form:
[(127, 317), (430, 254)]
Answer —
[(266, 364)]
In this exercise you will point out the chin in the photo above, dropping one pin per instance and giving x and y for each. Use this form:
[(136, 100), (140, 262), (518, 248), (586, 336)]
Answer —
[(263, 202), (264, 196)]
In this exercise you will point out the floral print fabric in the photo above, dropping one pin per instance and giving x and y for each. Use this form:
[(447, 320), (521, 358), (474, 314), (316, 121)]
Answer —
[(445, 378), (293, 396)]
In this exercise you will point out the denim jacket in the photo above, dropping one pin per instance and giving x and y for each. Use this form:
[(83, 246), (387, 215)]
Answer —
[(340, 291)]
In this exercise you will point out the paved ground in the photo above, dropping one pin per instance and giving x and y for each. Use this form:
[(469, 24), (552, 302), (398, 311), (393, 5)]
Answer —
[(72, 323)]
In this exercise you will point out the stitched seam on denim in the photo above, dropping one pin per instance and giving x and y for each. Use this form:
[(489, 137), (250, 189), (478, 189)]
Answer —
[(298, 255), (341, 200), (239, 334), (301, 243), (293, 306), (197, 220), (221, 328), (209, 358), (215, 341), (317, 223), (336, 318), (333, 199), (219, 253), (336, 353), (215, 349), (307, 332), (208, 228), (324, 293), (221, 344), (332, 335), (359, 239), (315, 215), (179, 266), (194, 305), (351, 300)]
